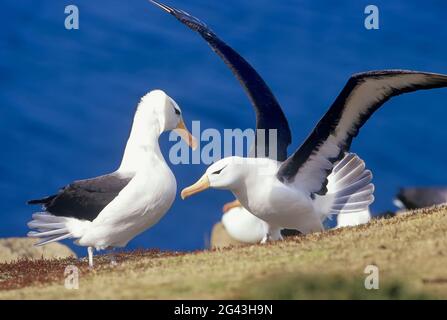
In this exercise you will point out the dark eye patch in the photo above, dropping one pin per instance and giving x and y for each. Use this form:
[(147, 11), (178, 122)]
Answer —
[(177, 111), (219, 171)]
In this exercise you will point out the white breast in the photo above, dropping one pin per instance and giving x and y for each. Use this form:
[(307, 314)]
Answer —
[(280, 205), (140, 205)]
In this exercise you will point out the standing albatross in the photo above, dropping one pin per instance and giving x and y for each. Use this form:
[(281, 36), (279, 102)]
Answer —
[(239, 222), (294, 193), (110, 210)]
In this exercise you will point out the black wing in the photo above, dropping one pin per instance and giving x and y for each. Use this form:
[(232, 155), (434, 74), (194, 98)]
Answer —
[(415, 198), (269, 115), (84, 199), (331, 138)]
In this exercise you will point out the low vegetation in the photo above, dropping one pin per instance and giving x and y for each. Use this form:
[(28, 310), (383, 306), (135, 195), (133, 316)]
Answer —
[(410, 251)]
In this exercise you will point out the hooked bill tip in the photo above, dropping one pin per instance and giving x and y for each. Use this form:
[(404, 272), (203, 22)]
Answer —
[(161, 5)]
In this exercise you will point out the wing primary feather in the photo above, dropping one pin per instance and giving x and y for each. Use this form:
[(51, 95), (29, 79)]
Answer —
[(269, 114), (363, 94)]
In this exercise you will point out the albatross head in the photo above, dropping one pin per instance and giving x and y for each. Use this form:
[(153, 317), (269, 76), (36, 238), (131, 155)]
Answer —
[(157, 104), (232, 173), (223, 174)]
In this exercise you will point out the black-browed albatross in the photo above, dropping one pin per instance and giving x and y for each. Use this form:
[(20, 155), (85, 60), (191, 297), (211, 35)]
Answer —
[(110, 210), (420, 197), (298, 192), (294, 193), (269, 115)]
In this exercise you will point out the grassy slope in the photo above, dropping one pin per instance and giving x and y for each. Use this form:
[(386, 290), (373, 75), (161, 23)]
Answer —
[(411, 252)]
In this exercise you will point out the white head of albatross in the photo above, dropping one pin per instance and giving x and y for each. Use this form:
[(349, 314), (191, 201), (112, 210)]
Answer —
[(234, 174), (110, 210), (156, 113)]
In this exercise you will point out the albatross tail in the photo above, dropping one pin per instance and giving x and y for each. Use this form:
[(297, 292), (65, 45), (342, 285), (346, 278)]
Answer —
[(49, 228), (350, 190)]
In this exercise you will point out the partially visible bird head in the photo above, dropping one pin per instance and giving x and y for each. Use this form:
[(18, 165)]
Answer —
[(167, 112)]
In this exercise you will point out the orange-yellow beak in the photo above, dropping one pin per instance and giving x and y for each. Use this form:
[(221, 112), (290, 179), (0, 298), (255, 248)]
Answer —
[(183, 132), (231, 205), (202, 184)]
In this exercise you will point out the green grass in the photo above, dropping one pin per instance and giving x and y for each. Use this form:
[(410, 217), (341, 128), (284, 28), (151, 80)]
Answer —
[(410, 251), (305, 286)]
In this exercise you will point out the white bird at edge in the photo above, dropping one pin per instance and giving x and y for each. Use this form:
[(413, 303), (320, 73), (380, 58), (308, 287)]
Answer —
[(353, 219), (110, 210), (297, 193), (243, 226)]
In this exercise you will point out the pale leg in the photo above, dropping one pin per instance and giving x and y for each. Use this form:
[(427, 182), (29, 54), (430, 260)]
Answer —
[(272, 234), (275, 234), (265, 239), (90, 256), (113, 261)]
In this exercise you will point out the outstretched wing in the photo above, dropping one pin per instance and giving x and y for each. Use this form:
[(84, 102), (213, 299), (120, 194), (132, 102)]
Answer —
[(331, 138), (269, 114), (84, 199)]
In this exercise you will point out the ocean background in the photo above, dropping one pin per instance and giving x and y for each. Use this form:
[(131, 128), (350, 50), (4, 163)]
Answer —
[(67, 96)]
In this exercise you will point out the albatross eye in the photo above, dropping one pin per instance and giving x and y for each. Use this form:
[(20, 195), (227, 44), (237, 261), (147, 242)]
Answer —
[(177, 111), (218, 171)]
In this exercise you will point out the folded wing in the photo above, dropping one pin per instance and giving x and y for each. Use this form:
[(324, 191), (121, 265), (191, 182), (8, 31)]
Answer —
[(84, 199)]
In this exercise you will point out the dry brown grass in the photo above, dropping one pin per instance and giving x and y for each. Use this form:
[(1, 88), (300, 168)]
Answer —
[(410, 250)]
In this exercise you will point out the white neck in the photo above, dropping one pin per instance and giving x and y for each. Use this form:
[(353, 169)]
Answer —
[(142, 144)]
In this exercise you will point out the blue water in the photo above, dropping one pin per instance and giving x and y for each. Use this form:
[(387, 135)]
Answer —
[(67, 97)]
